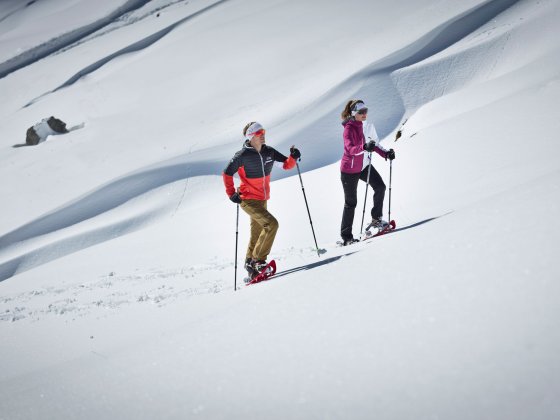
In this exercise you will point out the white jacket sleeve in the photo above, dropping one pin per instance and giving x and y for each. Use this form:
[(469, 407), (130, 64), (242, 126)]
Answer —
[(370, 133)]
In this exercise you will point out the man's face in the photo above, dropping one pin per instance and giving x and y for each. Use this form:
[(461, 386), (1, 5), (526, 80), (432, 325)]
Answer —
[(258, 138)]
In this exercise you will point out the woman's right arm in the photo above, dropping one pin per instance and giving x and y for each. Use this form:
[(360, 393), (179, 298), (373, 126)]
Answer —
[(354, 143)]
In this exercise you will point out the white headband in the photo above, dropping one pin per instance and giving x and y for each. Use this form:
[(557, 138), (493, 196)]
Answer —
[(253, 128)]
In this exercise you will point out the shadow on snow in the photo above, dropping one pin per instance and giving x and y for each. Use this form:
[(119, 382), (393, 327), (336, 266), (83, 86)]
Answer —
[(320, 263)]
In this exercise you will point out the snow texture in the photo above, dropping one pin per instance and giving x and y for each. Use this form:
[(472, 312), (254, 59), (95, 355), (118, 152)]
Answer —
[(118, 292)]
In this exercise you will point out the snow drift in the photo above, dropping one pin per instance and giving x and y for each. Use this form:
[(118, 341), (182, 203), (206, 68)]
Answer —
[(117, 240)]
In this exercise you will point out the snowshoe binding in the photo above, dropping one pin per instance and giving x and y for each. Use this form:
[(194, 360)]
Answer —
[(261, 270), (382, 227)]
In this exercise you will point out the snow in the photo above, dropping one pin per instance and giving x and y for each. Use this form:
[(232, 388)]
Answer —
[(117, 241)]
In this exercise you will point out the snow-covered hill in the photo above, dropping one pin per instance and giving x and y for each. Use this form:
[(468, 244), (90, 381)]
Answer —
[(117, 240)]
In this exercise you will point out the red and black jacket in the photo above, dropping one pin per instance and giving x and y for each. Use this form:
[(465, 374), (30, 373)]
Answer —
[(254, 170)]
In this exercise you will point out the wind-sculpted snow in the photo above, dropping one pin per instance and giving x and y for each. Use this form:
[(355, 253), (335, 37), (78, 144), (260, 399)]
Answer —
[(108, 197), (137, 46), (41, 51), (117, 241), (34, 255), (94, 204), (12, 12), (377, 78), (376, 84)]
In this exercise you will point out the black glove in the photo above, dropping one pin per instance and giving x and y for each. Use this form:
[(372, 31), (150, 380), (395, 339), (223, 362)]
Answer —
[(295, 153), (235, 198), (369, 146), (390, 154)]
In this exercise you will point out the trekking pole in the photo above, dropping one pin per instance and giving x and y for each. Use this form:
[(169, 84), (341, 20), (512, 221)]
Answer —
[(236, 237), (367, 187), (390, 180), (308, 213)]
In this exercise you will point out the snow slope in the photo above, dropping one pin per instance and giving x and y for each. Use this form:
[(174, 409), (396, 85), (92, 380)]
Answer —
[(117, 242)]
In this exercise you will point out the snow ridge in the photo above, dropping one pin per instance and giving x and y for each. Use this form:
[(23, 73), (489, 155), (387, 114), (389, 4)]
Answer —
[(135, 47), (379, 83), (41, 51)]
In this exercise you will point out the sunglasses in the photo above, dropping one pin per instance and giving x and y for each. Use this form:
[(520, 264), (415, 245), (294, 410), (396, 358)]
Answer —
[(260, 132), (362, 111)]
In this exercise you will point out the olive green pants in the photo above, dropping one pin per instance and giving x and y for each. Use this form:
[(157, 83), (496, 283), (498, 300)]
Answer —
[(263, 229)]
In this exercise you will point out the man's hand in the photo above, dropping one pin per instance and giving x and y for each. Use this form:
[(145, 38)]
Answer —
[(236, 198), (295, 153)]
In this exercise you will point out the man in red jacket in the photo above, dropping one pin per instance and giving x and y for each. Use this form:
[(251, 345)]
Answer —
[(254, 163)]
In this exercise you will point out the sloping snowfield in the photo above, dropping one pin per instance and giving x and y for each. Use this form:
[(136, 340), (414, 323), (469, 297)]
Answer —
[(117, 241)]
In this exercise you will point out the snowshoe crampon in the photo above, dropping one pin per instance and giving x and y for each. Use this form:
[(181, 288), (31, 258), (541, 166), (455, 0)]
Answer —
[(390, 227), (266, 272)]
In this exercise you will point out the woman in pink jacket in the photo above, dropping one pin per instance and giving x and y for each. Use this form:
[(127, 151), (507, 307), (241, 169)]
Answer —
[(353, 169)]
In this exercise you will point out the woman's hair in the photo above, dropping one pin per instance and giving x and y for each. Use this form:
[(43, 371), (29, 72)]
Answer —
[(247, 127), (347, 112)]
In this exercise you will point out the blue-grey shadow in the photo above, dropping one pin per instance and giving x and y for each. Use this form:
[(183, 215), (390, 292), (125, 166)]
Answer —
[(320, 263), (312, 265), (414, 225)]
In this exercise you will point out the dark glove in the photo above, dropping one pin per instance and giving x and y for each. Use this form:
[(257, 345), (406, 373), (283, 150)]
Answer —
[(295, 153), (390, 154), (369, 146), (235, 198)]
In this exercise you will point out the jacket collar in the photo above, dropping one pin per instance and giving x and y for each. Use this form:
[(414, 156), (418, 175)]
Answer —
[(247, 145), (352, 122)]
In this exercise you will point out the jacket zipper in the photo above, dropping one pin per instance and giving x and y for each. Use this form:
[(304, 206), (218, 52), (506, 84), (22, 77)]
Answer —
[(264, 176)]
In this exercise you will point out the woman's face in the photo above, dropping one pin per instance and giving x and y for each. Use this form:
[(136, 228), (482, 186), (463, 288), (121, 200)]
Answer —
[(361, 115)]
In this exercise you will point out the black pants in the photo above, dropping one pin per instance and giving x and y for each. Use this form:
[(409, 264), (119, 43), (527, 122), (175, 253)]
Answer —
[(350, 185)]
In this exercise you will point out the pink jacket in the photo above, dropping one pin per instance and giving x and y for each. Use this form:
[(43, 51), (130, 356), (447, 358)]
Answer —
[(353, 158)]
